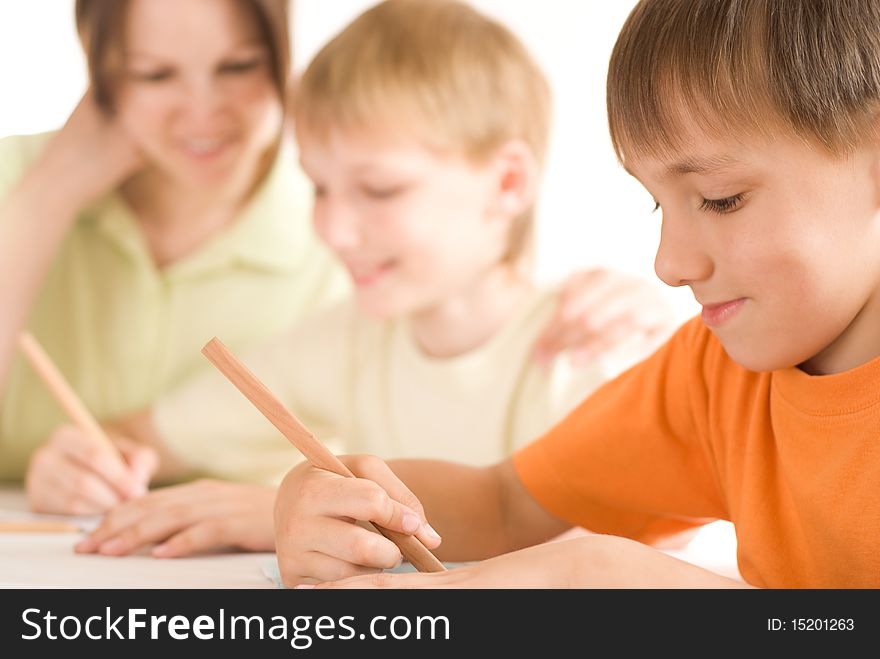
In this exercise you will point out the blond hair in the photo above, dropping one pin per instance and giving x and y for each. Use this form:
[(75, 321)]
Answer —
[(807, 68), (463, 82)]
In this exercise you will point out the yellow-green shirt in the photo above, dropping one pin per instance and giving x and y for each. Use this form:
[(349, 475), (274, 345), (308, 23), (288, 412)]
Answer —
[(363, 386), (123, 330)]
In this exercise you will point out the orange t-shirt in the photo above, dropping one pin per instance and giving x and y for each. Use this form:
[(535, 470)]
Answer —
[(689, 436)]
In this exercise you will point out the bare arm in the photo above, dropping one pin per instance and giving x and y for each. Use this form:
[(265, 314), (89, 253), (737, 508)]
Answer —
[(34, 219), (87, 157), (594, 561), (479, 512)]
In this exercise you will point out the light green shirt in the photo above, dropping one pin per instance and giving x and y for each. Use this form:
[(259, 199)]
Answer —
[(364, 386), (123, 330)]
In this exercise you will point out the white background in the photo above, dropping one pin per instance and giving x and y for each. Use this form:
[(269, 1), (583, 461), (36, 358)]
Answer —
[(591, 212)]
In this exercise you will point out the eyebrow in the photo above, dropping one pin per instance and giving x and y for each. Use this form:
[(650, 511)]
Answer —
[(711, 165), (240, 45)]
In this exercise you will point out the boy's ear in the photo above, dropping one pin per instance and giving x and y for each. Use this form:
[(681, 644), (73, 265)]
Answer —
[(517, 178)]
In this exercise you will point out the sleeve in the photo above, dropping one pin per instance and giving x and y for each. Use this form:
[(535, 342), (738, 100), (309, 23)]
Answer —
[(211, 426), (633, 459)]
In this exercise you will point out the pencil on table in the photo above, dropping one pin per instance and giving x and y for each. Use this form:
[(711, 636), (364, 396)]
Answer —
[(298, 435), (61, 390), (38, 526)]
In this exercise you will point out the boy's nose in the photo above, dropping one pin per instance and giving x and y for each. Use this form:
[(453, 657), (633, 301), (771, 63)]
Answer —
[(336, 225), (680, 257)]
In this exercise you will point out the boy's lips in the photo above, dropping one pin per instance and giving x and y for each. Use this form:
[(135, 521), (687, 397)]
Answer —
[(366, 275), (715, 315)]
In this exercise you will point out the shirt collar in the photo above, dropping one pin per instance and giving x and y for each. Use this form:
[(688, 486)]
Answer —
[(272, 233)]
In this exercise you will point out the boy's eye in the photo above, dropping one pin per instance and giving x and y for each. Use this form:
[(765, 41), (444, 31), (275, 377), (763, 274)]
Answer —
[(242, 66), (319, 191), (656, 207), (383, 192), (722, 206), (158, 75)]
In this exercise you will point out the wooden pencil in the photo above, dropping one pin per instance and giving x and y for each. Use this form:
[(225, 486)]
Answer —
[(61, 390), (38, 526), (307, 444)]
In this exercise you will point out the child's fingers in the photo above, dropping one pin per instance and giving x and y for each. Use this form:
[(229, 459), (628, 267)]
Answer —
[(322, 568), (365, 500), (311, 550), (393, 511), (385, 580), (352, 544), (362, 499)]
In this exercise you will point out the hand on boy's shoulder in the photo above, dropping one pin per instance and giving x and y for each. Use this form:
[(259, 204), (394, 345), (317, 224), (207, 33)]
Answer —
[(605, 313)]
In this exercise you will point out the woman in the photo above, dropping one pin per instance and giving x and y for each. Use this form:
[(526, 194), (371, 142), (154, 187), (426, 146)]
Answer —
[(167, 210)]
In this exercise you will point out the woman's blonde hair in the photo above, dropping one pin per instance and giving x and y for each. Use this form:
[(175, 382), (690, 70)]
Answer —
[(457, 79)]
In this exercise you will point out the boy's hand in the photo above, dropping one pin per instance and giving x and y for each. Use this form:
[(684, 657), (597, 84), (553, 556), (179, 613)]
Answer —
[(187, 519), (73, 474), (594, 561), (316, 536), (600, 311)]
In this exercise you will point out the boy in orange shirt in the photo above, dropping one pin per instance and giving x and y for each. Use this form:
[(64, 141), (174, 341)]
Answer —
[(754, 126)]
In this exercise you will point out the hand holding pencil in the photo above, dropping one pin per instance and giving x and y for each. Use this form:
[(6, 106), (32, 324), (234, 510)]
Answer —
[(80, 470), (355, 550)]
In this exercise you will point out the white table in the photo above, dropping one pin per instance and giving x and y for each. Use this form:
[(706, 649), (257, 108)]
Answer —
[(47, 560)]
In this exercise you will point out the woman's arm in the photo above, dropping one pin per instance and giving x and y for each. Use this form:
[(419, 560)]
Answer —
[(34, 219), (87, 157)]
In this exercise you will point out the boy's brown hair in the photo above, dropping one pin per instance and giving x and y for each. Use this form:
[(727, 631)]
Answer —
[(809, 68), (457, 79), (101, 27)]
